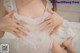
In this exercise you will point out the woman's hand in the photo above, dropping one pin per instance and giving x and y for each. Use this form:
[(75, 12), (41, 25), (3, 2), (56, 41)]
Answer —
[(56, 48), (65, 47), (52, 22), (67, 43), (12, 25)]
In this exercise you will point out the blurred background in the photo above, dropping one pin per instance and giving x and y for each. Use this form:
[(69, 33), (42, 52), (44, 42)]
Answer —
[(70, 12)]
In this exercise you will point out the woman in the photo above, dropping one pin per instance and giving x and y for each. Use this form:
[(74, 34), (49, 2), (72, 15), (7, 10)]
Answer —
[(37, 25), (31, 9)]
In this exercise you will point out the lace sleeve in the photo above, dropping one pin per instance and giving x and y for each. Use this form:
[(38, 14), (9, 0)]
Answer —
[(7, 5)]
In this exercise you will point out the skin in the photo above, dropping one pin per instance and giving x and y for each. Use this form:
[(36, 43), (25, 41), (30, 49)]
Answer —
[(56, 48)]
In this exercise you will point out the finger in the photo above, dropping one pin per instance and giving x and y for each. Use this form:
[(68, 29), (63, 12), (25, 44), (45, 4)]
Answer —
[(21, 22), (48, 18), (15, 34), (11, 13), (48, 26), (18, 32), (53, 30), (23, 28), (21, 31), (50, 11), (45, 24)]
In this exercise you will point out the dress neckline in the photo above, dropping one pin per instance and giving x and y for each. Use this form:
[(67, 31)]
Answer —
[(13, 5)]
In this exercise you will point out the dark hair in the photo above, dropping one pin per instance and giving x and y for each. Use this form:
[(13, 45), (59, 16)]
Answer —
[(54, 5)]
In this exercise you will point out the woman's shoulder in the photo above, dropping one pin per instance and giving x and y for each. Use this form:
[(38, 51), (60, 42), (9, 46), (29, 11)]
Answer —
[(3, 11)]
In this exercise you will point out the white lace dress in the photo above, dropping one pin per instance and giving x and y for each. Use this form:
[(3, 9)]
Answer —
[(37, 41)]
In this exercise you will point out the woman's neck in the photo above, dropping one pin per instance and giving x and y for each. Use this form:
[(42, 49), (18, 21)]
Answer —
[(29, 8), (22, 3)]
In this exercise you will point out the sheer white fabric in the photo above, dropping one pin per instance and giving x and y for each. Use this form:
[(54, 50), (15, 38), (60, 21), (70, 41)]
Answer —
[(37, 41)]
